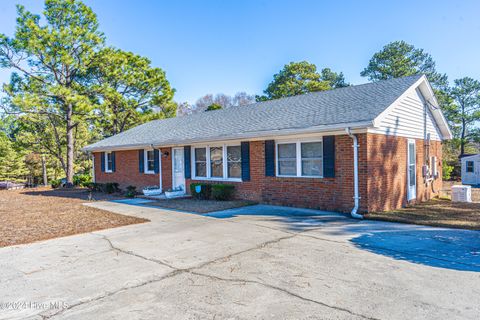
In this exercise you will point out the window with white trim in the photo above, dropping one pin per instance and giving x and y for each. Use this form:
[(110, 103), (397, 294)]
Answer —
[(200, 155), (217, 162), (312, 159), (300, 159), (470, 166), (287, 159), (234, 162), (108, 162), (149, 161)]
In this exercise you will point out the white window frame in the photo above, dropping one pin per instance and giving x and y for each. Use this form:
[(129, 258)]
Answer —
[(298, 160), (194, 163), (145, 162), (411, 189), (209, 171), (226, 160), (208, 164), (108, 170), (473, 166)]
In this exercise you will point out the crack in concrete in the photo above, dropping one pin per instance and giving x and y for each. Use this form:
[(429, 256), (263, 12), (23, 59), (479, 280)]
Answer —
[(346, 244), (284, 291), (324, 239), (259, 246), (195, 270), (131, 253), (201, 265), (177, 271)]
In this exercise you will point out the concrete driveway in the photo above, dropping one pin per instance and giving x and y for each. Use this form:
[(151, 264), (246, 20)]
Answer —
[(257, 262)]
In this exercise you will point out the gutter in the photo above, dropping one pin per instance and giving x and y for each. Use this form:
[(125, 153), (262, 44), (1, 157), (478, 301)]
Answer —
[(356, 196)]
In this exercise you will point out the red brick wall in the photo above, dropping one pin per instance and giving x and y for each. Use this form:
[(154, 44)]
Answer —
[(382, 176), (127, 172), (325, 194), (387, 172)]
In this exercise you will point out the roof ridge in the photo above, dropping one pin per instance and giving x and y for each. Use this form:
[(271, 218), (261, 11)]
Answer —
[(313, 93), (302, 95), (419, 75)]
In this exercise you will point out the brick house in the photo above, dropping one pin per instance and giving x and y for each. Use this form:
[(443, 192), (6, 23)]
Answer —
[(371, 147)]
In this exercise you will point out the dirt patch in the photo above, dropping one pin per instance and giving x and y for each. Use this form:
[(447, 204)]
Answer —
[(201, 206), (437, 213), (30, 215)]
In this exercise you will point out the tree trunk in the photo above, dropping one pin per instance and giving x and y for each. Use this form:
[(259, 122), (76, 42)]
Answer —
[(115, 121), (44, 171), (464, 128), (70, 144)]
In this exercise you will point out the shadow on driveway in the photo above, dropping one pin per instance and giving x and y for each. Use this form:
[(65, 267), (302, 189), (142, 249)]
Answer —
[(293, 219), (435, 247), (442, 248)]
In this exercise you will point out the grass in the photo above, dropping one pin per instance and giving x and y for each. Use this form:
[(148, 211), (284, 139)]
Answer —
[(201, 206), (436, 212), (30, 215)]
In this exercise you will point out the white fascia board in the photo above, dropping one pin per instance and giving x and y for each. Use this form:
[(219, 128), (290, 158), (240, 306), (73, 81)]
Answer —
[(470, 157), (427, 91)]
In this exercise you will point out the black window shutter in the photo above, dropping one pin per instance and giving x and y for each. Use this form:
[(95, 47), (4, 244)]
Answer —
[(270, 158), (187, 161), (113, 161), (245, 154), (156, 162), (329, 156), (141, 159), (102, 161)]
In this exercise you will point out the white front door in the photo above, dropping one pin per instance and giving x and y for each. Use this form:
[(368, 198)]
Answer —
[(411, 171), (178, 168), (470, 172)]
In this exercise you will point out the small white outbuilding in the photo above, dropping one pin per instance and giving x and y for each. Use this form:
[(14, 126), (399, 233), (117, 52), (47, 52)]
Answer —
[(471, 169)]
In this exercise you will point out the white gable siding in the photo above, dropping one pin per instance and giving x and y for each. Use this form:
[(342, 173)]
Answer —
[(406, 119)]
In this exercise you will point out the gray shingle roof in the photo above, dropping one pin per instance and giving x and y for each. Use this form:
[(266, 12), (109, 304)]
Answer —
[(354, 104)]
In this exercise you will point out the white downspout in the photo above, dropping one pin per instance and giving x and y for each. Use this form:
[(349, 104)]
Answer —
[(356, 196), (160, 173)]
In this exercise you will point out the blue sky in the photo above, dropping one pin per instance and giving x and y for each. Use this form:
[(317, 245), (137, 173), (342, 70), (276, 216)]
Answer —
[(229, 46)]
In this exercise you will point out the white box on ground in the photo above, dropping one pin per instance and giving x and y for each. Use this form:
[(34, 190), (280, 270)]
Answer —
[(461, 193)]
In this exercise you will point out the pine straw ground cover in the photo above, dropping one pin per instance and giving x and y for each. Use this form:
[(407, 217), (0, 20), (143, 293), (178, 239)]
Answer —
[(30, 215), (437, 213)]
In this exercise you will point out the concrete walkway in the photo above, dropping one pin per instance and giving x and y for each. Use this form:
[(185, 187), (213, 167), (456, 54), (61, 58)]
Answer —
[(259, 262)]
